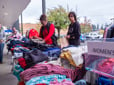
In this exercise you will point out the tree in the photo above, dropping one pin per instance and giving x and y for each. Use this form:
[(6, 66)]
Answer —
[(85, 28), (59, 17), (94, 27), (102, 27), (97, 27)]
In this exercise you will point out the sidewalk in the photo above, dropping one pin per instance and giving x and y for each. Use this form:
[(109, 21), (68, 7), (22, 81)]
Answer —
[(6, 77)]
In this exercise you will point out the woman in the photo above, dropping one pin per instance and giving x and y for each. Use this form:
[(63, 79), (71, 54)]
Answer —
[(74, 32), (47, 31), (16, 34)]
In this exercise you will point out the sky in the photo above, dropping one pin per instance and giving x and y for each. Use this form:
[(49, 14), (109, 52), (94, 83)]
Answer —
[(98, 11)]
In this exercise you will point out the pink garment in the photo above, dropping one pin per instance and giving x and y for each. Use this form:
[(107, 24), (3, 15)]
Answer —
[(48, 69), (106, 65), (64, 82)]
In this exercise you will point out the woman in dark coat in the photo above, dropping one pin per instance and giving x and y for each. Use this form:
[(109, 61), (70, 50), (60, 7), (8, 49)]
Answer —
[(74, 32)]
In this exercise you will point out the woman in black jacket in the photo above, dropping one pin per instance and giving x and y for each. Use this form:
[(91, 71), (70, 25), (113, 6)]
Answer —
[(74, 32)]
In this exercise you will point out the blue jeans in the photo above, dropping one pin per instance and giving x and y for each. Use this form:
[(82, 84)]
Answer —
[(1, 51)]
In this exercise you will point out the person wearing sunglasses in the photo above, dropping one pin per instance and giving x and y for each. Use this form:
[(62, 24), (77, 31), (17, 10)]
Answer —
[(74, 32)]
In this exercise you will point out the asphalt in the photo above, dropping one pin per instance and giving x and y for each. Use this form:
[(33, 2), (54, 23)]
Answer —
[(6, 77)]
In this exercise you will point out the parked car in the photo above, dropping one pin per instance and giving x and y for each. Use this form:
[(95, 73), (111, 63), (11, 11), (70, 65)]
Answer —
[(93, 35)]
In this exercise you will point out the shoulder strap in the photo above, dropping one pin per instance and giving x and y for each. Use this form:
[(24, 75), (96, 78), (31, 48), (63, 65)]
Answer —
[(48, 26), (42, 28)]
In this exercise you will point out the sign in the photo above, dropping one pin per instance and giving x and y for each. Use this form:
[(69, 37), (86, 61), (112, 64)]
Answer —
[(105, 49)]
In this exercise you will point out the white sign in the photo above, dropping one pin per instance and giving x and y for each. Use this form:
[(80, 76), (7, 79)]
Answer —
[(105, 49)]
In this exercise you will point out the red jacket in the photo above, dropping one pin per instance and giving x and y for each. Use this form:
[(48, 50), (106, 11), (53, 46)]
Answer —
[(33, 33), (47, 35)]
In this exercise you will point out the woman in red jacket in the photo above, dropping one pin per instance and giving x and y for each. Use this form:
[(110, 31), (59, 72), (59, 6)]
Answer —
[(47, 31)]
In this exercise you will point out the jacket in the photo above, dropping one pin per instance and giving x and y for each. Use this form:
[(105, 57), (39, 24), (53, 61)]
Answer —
[(74, 32), (47, 35), (2, 34)]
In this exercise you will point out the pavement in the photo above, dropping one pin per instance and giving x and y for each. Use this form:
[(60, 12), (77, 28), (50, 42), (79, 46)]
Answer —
[(6, 77)]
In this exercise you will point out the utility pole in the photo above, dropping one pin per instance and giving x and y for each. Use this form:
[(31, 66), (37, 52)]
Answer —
[(67, 8), (43, 6), (22, 23)]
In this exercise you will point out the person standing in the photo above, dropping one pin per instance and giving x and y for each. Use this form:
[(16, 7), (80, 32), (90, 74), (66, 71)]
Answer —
[(2, 39), (47, 31), (74, 31)]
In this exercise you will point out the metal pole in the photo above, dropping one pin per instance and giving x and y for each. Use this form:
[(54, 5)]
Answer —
[(22, 23), (43, 7)]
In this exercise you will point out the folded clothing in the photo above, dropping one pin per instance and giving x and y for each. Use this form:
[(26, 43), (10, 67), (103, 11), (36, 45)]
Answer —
[(17, 70), (46, 79), (48, 69), (21, 83), (105, 81), (67, 55), (22, 62), (80, 82), (64, 82), (41, 84), (33, 57), (76, 54), (106, 66)]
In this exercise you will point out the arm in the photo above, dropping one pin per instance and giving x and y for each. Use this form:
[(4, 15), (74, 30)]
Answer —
[(51, 32), (77, 31), (40, 32)]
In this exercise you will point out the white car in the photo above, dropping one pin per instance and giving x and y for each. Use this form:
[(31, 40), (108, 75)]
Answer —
[(94, 35)]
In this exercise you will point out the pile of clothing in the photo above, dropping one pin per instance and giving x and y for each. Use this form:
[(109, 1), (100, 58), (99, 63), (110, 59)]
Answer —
[(40, 64), (73, 56)]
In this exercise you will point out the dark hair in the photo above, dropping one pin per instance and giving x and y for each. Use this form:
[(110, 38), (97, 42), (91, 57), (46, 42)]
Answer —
[(72, 13), (43, 17)]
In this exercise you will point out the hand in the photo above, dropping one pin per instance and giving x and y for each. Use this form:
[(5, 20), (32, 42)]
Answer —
[(43, 40), (68, 36), (1, 41), (40, 38)]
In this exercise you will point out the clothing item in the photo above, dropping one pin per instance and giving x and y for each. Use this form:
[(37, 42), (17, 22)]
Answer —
[(48, 33), (54, 62), (21, 83), (52, 52), (2, 34), (33, 33), (48, 69), (1, 52), (65, 63), (105, 81), (67, 55), (74, 32), (74, 55), (33, 57), (22, 62), (80, 82), (64, 82), (106, 65), (40, 46), (46, 79), (41, 84), (14, 43), (17, 70), (38, 41)]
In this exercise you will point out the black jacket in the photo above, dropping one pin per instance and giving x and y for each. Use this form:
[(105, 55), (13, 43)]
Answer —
[(74, 32)]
